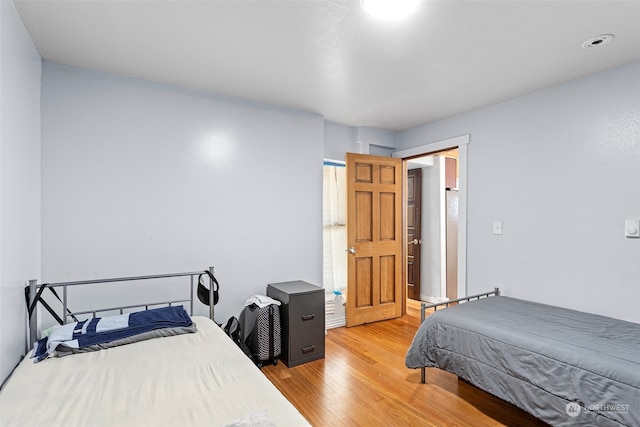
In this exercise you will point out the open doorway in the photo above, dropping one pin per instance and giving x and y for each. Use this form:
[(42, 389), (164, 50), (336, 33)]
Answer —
[(462, 144), (432, 209)]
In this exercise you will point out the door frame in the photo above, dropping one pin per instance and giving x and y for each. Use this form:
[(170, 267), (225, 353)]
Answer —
[(461, 142)]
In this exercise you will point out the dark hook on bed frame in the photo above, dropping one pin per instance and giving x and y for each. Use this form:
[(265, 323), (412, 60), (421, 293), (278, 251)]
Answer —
[(424, 307), (66, 313)]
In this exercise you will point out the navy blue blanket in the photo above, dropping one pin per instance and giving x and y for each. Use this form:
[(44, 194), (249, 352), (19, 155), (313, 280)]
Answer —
[(102, 330)]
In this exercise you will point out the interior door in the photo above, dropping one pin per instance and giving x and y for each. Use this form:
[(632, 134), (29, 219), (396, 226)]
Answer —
[(374, 238), (414, 242)]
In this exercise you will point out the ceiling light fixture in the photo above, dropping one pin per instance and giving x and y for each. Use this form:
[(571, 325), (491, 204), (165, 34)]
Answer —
[(389, 9), (597, 41)]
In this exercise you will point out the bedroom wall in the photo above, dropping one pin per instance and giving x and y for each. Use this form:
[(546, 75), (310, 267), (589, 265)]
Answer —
[(560, 168), (19, 180), (340, 139), (376, 141), (145, 178)]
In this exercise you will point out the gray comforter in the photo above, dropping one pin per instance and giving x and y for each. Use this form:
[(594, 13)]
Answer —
[(565, 367)]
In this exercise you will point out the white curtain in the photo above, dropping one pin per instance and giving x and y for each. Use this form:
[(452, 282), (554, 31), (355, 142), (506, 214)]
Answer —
[(334, 228)]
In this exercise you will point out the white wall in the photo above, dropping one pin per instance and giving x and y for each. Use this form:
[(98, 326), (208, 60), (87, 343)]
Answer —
[(561, 168), (376, 141), (19, 180), (145, 178), (340, 139)]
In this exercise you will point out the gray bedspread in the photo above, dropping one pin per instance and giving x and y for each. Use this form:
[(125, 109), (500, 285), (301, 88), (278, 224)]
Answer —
[(566, 367)]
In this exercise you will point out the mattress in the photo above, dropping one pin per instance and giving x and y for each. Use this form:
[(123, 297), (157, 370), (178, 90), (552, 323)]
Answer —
[(563, 366), (198, 379)]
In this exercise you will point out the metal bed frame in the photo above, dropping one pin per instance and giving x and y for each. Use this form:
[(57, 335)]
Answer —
[(34, 287), (424, 307)]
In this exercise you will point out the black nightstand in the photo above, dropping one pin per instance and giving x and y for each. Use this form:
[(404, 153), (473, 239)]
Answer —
[(302, 320)]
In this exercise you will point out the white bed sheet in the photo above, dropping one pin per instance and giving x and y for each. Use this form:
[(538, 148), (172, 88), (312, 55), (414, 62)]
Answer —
[(200, 379)]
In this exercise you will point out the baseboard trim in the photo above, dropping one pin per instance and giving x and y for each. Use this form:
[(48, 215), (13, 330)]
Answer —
[(335, 323)]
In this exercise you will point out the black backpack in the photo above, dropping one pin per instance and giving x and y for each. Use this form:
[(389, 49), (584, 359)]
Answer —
[(234, 330)]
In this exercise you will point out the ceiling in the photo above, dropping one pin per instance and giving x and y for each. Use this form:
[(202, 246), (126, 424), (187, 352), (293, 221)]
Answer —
[(328, 57)]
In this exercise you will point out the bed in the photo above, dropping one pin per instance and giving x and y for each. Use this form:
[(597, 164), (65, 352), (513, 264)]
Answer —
[(565, 367), (194, 379)]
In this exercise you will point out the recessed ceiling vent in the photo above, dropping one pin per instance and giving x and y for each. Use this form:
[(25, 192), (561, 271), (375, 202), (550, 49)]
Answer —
[(597, 41)]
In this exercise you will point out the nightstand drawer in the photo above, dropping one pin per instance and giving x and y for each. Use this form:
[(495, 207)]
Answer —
[(305, 344)]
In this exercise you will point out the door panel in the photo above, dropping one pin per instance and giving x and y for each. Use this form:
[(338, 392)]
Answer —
[(387, 277), (364, 277), (387, 216), (364, 220), (374, 232)]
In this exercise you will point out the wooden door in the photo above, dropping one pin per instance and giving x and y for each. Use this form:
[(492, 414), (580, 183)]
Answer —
[(414, 220), (374, 238)]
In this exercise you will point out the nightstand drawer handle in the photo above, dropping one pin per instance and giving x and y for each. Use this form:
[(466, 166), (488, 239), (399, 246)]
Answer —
[(308, 349), (308, 317)]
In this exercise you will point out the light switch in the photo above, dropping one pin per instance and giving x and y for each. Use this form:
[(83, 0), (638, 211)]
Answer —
[(632, 228), (497, 227)]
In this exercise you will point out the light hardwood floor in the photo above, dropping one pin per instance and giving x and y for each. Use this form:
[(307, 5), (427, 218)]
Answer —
[(363, 381)]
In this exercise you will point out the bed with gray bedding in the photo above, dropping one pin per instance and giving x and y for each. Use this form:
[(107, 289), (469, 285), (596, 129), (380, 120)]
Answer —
[(566, 367)]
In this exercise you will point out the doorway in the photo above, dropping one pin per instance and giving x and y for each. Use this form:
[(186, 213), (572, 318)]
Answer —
[(440, 147), (432, 226)]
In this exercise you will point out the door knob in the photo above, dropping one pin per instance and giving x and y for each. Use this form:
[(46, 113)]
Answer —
[(352, 250), (415, 242)]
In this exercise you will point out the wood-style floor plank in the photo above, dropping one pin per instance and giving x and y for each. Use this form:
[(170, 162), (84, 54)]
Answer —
[(363, 381)]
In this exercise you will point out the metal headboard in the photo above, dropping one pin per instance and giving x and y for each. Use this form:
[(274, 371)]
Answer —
[(34, 286), (424, 307)]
